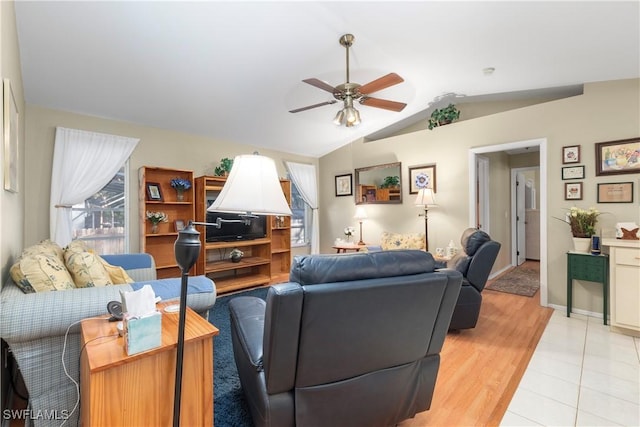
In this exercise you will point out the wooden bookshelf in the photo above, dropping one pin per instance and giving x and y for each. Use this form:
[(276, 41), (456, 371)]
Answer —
[(160, 244), (264, 260)]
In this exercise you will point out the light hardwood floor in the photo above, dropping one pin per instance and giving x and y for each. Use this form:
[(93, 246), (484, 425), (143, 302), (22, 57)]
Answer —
[(480, 368)]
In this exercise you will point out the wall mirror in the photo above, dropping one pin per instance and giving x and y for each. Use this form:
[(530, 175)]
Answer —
[(379, 184)]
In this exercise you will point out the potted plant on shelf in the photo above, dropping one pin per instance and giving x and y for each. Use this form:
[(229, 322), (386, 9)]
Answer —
[(180, 185), (224, 168), (156, 218), (443, 116), (390, 182), (236, 255)]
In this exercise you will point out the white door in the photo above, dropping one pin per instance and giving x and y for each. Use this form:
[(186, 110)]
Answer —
[(482, 194), (520, 217)]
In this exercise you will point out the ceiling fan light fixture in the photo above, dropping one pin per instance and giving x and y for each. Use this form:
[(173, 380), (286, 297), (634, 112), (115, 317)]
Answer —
[(348, 92), (351, 115), (357, 120)]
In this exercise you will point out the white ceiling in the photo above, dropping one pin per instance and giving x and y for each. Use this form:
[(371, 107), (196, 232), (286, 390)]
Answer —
[(232, 70)]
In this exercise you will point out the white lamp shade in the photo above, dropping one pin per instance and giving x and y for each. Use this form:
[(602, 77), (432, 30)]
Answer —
[(252, 187), (361, 213), (425, 197)]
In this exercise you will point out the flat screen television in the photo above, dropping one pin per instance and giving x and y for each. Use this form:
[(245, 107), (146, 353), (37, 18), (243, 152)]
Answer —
[(234, 231)]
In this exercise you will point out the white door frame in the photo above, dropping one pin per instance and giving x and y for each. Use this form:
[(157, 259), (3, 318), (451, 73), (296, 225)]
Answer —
[(541, 143)]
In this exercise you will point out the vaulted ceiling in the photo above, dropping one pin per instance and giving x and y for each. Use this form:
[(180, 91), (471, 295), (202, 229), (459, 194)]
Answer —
[(233, 70)]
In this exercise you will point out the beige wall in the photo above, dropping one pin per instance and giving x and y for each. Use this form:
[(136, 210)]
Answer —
[(11, 204), (157, 147), (606, 111)]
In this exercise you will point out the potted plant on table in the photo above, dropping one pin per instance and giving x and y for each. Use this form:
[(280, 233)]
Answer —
[(443, 116), (583, 226), (156, 218), (180, 185)]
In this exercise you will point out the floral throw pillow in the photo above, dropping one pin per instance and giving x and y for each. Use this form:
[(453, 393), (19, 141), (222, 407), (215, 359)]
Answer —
[(390, 241), (85, 267), (41, 272)]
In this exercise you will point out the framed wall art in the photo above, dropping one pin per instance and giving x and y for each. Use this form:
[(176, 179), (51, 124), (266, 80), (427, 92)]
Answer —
[(615, 192), (423, 176), (153, 192), (571, 154), (573, 191), (573, 172), (344, 185), (10, 121), (618, 157)]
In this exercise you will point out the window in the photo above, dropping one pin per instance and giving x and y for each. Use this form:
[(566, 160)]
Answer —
[(300, 219), (100, 219)]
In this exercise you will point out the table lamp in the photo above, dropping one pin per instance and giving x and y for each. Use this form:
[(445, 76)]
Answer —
[(252, 188), (361, 214), (425, 199)]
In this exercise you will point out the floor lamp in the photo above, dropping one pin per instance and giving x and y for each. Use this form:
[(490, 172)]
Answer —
[(252, 188), (425, 199), (361, 214)]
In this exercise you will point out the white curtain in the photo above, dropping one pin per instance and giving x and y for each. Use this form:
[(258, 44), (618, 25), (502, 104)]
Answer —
[(304, 178), (83, 163)]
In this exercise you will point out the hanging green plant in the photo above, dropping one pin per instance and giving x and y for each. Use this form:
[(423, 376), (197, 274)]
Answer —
[(224, 168), (444, 116)]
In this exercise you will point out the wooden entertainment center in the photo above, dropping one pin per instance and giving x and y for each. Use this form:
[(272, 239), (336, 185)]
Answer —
[(266, 260)]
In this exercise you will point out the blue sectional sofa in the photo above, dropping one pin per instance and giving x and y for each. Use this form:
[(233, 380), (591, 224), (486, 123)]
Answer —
[(34, 325)]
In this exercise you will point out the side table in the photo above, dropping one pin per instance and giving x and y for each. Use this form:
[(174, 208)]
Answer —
[(122, 390), (343, 248), (593, 268)]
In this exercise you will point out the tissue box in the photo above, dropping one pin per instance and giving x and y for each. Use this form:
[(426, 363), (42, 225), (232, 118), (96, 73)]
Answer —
[(144, 333)]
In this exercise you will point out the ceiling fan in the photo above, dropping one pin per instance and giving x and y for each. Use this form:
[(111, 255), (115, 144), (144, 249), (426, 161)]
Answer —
[(349, 92)]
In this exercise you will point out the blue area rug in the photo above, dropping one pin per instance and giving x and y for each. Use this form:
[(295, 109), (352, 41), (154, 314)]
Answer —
[(230, 407)]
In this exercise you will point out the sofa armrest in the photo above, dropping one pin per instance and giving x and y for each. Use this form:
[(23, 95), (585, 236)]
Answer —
[(25, 317)]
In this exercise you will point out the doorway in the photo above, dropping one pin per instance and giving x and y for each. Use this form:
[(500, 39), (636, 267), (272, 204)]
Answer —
[(525, 215), (478, 204)]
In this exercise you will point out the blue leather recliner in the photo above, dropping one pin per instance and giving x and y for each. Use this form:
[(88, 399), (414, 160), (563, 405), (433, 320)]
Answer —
[(351, 340)]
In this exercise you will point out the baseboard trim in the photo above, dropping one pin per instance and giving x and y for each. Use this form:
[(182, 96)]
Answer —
[(563, 308)]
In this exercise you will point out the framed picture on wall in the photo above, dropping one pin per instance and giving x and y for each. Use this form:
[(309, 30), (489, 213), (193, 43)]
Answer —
[(618, 157), (573, 172), (615, 192), (10, 121), (344, 185), (423, 176), (573, 191), (571, 154)]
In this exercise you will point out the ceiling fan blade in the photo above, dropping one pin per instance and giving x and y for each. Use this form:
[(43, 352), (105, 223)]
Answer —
[(383, 103), (320, 84), (381, 83), (309, 107)]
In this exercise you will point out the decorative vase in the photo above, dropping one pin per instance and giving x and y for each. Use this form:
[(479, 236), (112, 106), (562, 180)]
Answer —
[(180, 194), (236, 258), (154, 228), (581, 244)]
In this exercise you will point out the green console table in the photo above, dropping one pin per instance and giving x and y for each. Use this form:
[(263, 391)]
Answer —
[(593, 268)]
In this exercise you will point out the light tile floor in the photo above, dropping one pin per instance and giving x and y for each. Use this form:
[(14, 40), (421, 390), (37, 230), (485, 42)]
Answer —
[(581, 374)]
